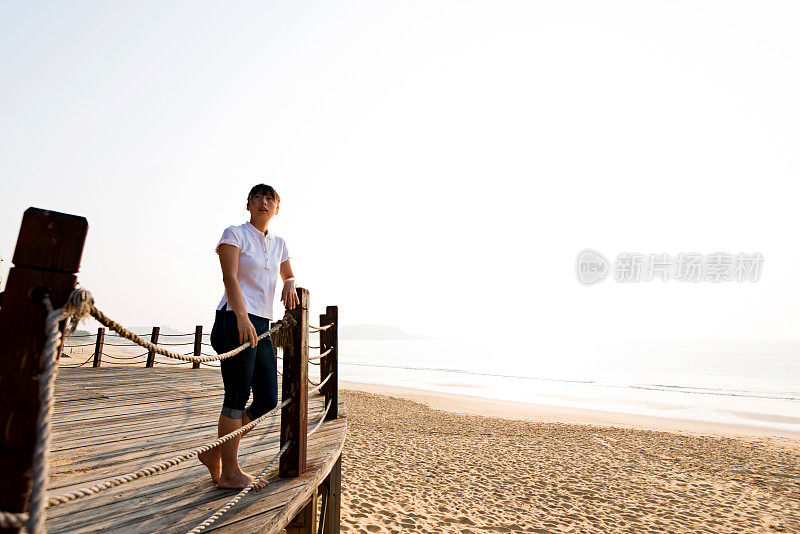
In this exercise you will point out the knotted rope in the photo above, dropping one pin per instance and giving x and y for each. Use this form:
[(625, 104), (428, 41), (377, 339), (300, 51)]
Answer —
[(320, 328)]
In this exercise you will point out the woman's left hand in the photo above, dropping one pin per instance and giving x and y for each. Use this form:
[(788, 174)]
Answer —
[(289, 295)]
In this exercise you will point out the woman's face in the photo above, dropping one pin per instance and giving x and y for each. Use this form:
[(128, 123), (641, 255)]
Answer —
[(262, 205)]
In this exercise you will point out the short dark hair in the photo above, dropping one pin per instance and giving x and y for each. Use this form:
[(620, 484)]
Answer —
[(263, 189)]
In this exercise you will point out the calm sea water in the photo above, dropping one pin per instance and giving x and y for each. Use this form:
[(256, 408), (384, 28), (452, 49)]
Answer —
[(753, 386)]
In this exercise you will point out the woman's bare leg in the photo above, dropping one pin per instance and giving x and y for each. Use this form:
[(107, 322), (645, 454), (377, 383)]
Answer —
[(211, 459), (232, 475)]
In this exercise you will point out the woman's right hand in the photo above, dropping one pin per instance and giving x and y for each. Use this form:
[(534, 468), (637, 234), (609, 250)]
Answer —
[(247, 332)]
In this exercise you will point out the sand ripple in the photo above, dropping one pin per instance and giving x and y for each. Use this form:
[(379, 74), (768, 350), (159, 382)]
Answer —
[(408, 468)]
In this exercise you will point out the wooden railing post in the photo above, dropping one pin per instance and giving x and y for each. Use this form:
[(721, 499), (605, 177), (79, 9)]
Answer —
[(329, 339), (305, 522), (98, 346), (47, 255), (333, 505), (151, 355), (198, 344), (294, 417)]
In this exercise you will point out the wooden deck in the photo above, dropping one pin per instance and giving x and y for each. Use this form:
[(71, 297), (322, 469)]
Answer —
[(110, 421)]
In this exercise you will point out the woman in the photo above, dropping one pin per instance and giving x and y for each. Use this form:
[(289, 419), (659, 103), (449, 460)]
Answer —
[(251, 258)]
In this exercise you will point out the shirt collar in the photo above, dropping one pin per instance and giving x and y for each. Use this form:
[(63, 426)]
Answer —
[(256, 231)]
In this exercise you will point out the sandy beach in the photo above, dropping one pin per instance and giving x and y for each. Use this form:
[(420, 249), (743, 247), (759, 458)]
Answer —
[(411, 466), (421, 461)]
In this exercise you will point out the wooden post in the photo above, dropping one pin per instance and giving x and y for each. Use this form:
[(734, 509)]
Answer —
[(333, 511), (98, 347), (329, 339), (151, 355), (294, 417), (198, 344), (305, 522), (47, 255)]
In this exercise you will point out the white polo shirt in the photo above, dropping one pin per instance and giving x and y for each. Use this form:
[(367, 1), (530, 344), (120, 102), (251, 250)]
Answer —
[(260, 257)]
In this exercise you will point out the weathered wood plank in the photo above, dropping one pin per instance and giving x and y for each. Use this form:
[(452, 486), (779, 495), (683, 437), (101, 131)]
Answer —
[(138, 423)]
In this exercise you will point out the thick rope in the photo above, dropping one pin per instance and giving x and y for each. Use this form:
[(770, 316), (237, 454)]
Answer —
[(84, 306), (68, 366), (320, 328), (36, 505), (230, 504), (311, 391), (159, 467), (118, 357), (12, 520), (321, 419), (311, 359)]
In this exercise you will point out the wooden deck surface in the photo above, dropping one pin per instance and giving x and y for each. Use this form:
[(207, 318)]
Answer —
[(111, 421)]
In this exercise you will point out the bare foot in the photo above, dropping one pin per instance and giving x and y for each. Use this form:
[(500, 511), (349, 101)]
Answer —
[(212, 460), (238, 480)]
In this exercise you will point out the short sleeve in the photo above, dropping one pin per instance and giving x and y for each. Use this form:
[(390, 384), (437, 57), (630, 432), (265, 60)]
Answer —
[(231, 236), (285, 252)]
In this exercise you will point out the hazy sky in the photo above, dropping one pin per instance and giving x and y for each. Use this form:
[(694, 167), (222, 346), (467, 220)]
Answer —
[(440, 164)]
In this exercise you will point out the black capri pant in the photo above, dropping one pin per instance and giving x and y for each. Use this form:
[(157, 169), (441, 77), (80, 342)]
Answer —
[(254, 368)]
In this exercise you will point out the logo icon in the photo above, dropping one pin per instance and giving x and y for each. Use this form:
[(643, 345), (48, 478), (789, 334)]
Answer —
[(591, 267)]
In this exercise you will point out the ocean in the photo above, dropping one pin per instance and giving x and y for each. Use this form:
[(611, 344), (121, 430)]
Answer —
[(757, 386)]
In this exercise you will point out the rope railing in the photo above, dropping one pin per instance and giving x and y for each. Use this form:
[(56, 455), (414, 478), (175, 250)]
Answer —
[(230, 504), (208, 522), (321, 418), (68, 366), (79, 305), (318, 386), (12, 520), (279, 332), (30, 399), (312, 358), (159, 467), (119, 357)]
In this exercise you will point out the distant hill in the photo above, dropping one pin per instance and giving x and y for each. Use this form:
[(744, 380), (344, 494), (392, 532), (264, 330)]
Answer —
[(81, 333), (376, 331)]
